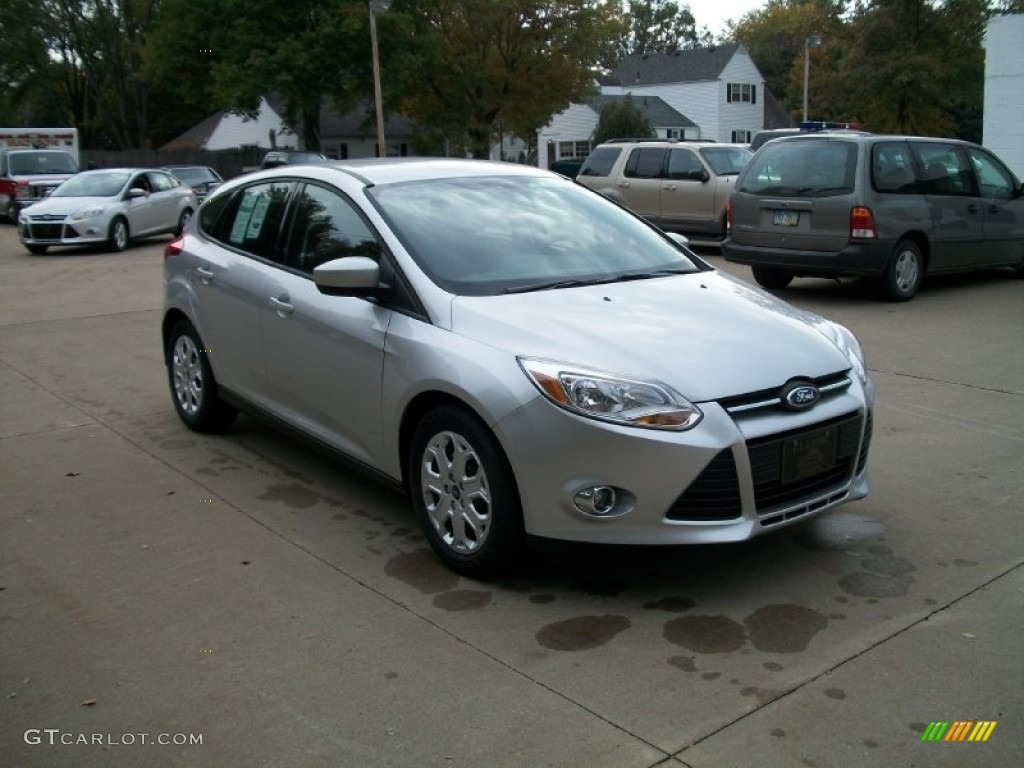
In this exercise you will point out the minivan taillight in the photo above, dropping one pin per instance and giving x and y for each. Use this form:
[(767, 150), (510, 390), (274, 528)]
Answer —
[(173, 248), (862, 223), (728, 217)]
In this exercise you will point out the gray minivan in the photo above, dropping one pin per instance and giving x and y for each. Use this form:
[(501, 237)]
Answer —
[(895, 207)]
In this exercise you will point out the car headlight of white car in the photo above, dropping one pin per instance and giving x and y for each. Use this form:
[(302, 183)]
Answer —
[(847, 343), (87, 213), (604, 396)]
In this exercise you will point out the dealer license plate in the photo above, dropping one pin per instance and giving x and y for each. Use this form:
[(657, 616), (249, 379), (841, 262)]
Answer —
[(809, 455), (785, 218)]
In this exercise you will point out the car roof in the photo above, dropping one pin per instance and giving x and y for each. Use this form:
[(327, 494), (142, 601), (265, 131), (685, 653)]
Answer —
[(391, 170)]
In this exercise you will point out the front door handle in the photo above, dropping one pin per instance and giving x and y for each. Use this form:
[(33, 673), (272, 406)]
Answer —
[(281, 305), (206, 275)]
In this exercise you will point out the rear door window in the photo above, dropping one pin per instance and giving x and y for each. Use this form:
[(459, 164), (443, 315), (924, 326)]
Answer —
[(892, 168), (683, 164), (946, 169), (646, 163), (252, 221)]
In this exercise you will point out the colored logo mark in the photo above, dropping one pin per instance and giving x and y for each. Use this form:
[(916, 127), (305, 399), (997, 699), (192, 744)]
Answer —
[(959, 730)]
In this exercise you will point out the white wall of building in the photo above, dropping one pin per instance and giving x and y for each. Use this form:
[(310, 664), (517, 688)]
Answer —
[(577, 123), (237, 131), (738, 116), (1003, 121)]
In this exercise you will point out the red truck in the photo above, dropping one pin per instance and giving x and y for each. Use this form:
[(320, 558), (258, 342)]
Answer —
[(33, 162)]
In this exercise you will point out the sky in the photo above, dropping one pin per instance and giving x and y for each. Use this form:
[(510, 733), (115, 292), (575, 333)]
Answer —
[(714, 13)]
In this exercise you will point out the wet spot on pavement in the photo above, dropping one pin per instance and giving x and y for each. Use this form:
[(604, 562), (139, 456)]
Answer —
[(778, 733), (391, 675), (401, 531), (888, 565), (374, 551), (878, 549), (874, 585), (340, 516), (841, 599), (420, 569), (783, 628), (684, 663), (177, 445), (671, 604), (582, 633), (917, 727), (837, 616), (462, 599), (930, 601), (542, 599), (330, 501), (773, 666), (835, 693), (962, 562), (207, 471), (837, 532), (705, 634), (711, 675), (293, 495)]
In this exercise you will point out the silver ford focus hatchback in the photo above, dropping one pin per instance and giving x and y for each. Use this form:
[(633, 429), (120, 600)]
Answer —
[(520, 354)]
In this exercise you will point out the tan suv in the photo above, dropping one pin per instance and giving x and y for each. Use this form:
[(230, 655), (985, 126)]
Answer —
[(677, 185)]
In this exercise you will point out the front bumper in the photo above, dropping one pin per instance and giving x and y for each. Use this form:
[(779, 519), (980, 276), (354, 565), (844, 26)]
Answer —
[(867, 257), (60, 231), (720, 481)]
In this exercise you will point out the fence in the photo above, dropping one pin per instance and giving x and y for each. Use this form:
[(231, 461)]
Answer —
[(227, 162)]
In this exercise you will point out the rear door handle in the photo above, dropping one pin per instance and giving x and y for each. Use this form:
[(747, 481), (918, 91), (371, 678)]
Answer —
[(623, 184), (972, 208), (670, 187), (206, 275), (281, 305)]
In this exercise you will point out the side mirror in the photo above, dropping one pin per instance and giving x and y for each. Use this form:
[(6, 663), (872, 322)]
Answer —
[(678, 239), (136, 192), (350, 276), (700, 175)]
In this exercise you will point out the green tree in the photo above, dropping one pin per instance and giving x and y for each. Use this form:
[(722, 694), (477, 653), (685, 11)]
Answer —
[(622, 118), (653, 26), (481, 64)]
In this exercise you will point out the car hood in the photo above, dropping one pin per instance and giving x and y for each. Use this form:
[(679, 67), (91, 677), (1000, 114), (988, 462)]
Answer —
[(44, 178), (707, 335), (65, 206)]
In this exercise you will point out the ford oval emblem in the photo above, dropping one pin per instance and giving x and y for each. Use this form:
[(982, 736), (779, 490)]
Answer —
[(800, 395)]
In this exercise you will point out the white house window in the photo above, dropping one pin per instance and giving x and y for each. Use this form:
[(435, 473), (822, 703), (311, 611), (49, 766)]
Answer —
[(573, 150), (742, 92), (742, 137)]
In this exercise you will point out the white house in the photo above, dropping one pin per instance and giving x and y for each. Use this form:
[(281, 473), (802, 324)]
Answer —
[(719, 90), (1003, 122), (226, 130)]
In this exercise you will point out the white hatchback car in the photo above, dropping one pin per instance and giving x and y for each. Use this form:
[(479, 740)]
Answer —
[(518, 352), (108, 207)]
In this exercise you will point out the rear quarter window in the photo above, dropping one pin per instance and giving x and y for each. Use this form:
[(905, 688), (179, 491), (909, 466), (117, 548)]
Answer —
[(600, 162), (892, 168)]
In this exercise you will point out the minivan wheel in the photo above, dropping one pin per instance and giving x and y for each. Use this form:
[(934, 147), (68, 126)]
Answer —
[(771, 277), (464, 494), (903, 273), (193, 388)]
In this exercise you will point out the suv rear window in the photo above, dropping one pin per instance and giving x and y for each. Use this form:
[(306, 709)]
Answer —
[(600, 161), (804, 167)]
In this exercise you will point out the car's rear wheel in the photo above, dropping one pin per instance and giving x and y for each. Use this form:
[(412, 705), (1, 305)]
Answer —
[(37, 249), (771, 277), (117, 237), (464, 493), (903, 273), (186, 215), (193, 388)]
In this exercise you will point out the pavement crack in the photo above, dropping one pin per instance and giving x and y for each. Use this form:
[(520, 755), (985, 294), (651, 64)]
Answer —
[(932, 379)]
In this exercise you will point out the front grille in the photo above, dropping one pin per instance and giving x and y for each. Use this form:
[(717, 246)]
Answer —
[(770, 398), (45, 231), (714, 495), (771, 491)]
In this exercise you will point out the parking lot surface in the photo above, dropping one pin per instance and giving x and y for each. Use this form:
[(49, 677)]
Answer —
[(172, 599)]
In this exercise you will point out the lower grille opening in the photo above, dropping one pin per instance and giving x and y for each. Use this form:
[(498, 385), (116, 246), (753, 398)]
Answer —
[(714, 495)]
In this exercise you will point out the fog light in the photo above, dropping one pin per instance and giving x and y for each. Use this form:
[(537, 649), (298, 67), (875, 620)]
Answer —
[(598, 501)]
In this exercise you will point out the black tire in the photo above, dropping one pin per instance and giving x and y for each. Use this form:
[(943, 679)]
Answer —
[(772, 278), (183, 221), (193, 387), (37, 249), (117, 236), (13, 209), (464, 494), (903, 273)]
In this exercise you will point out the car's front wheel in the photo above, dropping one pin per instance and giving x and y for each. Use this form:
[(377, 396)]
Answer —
[(771, 277), (193, 388), (903, 273), (117, 237), (186, 215), (464, 493)]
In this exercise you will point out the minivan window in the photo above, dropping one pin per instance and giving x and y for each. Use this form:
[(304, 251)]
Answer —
[(994, 179), (804, 167), (600, 161), (946, 171), (892, 168)]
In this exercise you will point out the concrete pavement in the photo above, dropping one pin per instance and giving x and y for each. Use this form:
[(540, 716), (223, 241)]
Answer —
[(242, 589)]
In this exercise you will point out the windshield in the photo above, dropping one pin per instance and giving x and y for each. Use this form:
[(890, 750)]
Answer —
[(41, 162), (92, 184), (487, 235), (801, 167), (726, 160), (195, 175)]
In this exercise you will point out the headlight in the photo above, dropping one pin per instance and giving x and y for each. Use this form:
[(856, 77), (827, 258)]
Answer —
[(88, 213), (843, 338), (607, 397)]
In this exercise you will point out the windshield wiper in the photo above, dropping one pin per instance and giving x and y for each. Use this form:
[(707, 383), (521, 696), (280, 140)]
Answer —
[(578, 283)]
